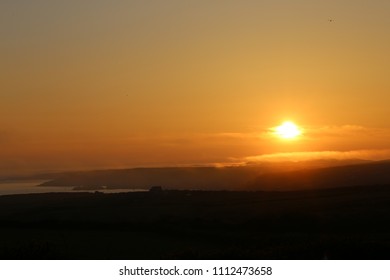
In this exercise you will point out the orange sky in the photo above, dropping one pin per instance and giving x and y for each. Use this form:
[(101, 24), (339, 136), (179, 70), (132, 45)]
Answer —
[(96, 84)]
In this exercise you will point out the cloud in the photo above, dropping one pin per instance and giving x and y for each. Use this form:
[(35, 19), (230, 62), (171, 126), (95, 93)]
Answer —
[(345, 131), (321, 142), (187, 149), (342, 131), (323, 132), (316, 155)]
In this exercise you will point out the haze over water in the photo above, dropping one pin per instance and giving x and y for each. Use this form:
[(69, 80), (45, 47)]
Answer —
[(30, 187)]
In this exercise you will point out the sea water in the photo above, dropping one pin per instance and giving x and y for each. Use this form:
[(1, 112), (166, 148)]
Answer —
[(28, 187)]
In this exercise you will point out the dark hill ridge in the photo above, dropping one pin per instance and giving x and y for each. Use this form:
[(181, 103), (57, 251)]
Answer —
[(374, 173), (260, 176), (173, 178)]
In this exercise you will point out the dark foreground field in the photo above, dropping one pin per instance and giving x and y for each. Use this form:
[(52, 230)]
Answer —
[(344, 223)]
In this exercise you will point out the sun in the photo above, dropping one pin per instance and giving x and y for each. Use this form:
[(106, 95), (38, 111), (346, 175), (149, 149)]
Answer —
[(287, 130)]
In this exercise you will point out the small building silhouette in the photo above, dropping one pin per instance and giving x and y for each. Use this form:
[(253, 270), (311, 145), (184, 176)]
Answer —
[(156, 189)]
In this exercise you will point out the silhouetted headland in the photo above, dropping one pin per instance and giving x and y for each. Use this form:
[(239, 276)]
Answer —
[(276, 177), (271, 176)]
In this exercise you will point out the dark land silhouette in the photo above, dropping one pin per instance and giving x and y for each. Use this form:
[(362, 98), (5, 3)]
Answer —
[(373, 173), (339, 213), (267, 176)]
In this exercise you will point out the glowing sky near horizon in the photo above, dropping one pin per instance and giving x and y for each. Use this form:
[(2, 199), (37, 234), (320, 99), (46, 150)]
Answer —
[(86, 84)]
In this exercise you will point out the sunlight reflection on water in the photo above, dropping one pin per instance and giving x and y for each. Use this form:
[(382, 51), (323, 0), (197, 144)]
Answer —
[(29, 187)]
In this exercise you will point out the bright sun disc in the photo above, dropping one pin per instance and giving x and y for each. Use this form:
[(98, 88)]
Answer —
[(287, 130)]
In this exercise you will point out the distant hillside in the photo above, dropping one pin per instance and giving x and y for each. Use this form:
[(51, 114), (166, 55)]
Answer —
[(196, 178), (170, 178), (374, 173)]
